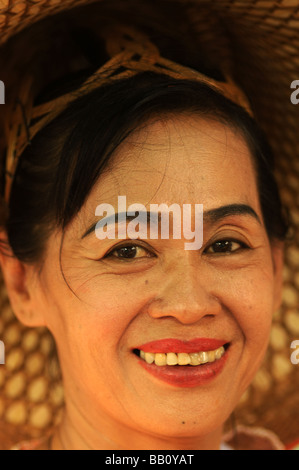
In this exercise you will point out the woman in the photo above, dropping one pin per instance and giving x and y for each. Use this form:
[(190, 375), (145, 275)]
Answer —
[(156, 343)]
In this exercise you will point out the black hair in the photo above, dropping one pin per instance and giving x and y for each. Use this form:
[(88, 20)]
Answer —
[(64, 161)]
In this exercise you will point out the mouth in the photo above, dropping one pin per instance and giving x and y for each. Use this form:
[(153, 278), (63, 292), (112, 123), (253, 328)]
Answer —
[(181, 358), (183, 367)]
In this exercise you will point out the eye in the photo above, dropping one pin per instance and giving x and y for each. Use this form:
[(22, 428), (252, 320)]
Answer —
[(226, 247), (128, 252)]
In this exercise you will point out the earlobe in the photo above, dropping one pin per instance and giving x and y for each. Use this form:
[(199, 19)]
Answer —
[(19, 284)]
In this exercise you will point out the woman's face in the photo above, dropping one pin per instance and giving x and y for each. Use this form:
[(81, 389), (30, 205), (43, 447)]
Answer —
[(109, 300)]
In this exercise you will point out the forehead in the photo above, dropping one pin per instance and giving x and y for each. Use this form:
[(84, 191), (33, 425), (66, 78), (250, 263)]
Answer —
[(181, 159)]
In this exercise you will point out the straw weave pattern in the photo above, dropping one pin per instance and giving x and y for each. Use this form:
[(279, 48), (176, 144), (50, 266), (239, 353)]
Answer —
[(264, 36)]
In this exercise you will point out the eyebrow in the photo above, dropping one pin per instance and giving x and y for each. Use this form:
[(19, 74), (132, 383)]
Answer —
[(114, 218), (214, 215), (211, 216)]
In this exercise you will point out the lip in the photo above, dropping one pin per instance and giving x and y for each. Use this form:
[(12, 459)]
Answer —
[(176, 345), (185, 376)]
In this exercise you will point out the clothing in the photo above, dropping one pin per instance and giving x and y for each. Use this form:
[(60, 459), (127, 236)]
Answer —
[(28, 445), (35, 444), (252, 438), (243, 438)]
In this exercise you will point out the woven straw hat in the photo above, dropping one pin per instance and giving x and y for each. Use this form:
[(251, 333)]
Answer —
[(263, 39)]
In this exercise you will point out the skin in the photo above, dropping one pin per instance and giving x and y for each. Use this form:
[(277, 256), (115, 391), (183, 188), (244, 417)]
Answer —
[(111, 306)]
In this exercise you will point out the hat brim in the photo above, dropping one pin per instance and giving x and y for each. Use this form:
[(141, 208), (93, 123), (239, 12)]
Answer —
[(264, 39)]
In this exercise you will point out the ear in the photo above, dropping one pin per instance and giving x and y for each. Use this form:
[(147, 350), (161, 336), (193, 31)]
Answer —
[(277, 248), (21, 283)]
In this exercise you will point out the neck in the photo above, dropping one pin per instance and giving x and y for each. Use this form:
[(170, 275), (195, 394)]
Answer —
[(76, 433)]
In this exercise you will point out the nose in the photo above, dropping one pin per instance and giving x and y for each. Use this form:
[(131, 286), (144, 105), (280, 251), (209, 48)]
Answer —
[(187, 293)]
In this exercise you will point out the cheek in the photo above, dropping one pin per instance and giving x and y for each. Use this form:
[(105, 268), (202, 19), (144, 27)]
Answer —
[(96, 324), (250, 304), (250, 298)]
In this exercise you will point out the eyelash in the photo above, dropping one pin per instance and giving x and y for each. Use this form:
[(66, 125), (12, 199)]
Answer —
[(242, 247)]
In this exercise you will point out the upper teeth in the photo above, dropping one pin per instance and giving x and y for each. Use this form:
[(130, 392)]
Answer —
[(182, 359)]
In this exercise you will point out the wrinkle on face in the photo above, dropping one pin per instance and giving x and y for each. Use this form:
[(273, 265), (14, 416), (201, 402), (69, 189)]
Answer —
[(185, 160)]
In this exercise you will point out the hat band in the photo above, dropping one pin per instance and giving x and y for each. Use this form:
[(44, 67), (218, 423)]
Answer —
[(131, 53)]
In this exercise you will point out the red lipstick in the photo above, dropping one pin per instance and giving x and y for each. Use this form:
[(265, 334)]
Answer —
[(185, 376), (177, 345)]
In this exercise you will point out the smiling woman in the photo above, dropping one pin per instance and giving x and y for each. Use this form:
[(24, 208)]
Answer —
[(210, 309), (144, 324)]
